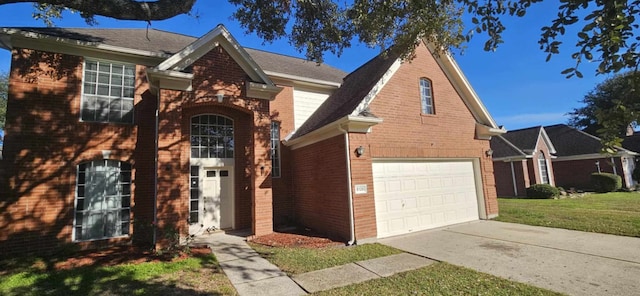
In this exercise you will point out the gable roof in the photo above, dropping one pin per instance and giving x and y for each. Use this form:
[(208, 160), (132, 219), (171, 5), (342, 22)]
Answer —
[(161, 45), (571, 142), (520, 143), (361, 87)]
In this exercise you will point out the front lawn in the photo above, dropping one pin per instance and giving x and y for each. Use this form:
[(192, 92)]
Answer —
[(612, 213), (296, 260), (191, 276), (440, 279)]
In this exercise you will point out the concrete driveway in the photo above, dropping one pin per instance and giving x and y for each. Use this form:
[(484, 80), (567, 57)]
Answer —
[(571, 262)]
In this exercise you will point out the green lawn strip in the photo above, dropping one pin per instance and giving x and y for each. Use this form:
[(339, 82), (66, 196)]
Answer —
[(301, 260), (184, 277), (612, 213), (439, 279)]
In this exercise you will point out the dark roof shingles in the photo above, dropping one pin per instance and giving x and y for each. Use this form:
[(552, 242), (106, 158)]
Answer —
[(167, 43), (346, 98)]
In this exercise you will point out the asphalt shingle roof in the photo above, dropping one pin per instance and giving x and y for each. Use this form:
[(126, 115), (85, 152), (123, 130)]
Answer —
[(632, 143), (569, 141), (524, 139), (347, 98), (167, 43), (501, 148)]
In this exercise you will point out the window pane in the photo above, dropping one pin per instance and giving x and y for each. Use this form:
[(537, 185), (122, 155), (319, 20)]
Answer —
[(80, 204), (128, 92), (103, 89), (129, 70), (194, 205), (104, 67), (195, 193), (116, 69), (125, 228), (193, 217), (195, 170), (90, 65), (126, 202), (103, 78)]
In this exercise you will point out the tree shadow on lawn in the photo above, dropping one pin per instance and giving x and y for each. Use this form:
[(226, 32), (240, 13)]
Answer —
[(154, 277)]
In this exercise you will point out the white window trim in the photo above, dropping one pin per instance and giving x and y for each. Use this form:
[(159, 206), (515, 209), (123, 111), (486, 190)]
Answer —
[(423, 105), (541, 161), (75, 204), (82, 94), (278, 148)]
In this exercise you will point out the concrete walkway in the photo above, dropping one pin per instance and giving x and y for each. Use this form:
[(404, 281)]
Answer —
[(250, 274), (571, 262)]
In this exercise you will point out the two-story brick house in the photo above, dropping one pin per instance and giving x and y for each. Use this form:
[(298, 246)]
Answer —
[(116, 136)]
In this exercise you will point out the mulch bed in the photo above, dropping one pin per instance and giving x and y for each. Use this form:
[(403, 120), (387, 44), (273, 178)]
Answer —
[(133, 255), (293, 239)]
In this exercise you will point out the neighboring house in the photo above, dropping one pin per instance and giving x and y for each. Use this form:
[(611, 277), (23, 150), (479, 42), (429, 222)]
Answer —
[(522, 158), (114, 133), (558, 155), (579, 154)]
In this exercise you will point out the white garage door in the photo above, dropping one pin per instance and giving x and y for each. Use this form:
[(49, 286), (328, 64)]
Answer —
[(419, 195)]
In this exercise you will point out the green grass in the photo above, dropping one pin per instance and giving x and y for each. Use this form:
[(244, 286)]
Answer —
[(301, 260), (440, 279), (191, 276), (612, 213)]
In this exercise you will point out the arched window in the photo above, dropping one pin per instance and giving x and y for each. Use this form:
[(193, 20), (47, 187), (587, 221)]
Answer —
[(103, 200), (211, 137), (544, 171), (426, 96)]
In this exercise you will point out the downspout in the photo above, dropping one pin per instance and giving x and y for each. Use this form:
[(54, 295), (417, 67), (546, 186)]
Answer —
[(155, 174), (351, 215), (513, 176)]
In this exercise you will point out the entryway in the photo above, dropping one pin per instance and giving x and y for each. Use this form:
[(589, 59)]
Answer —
[(212, 202)]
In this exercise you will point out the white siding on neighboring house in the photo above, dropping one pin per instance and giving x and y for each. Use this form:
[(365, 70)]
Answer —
[(305, 102)]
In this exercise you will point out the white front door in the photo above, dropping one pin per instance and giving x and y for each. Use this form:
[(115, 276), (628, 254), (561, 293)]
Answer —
[(215, 203)]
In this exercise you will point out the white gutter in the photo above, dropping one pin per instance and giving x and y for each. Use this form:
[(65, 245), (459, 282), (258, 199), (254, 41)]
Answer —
[(352, 231), (303, 79)]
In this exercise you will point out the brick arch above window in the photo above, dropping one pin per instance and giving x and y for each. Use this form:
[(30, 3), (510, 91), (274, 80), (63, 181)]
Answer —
[(426, 96)]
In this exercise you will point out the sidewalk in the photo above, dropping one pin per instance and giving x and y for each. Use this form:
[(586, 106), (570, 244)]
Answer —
[(251, 274)]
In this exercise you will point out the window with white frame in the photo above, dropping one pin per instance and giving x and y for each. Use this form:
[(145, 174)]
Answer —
[(426, 96), (211, 136), (103, 200), (544, 171), (108, 92), (275, 149)]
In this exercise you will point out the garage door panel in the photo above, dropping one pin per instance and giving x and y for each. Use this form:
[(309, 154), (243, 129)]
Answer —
[(418, 195)]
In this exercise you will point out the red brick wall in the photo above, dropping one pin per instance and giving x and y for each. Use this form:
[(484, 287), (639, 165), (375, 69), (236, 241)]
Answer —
[(363, 204), (577, 173), (282, 111), (504, 179), (321, 187), (253, 197), (406, 133), (45, 141)]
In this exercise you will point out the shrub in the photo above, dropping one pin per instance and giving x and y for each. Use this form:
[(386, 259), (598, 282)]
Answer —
[(542, 191), (605, 182)]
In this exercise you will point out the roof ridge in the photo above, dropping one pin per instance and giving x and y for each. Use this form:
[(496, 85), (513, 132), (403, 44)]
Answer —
[(293, 57)]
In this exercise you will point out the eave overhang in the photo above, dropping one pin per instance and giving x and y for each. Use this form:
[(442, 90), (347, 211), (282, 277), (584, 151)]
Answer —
[(484, 132), (349, 124)]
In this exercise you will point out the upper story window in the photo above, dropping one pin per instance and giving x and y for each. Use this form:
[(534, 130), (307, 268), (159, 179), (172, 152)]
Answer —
[(211, 137), (426, 96), (103, 200), (275, 149), (108, 91)]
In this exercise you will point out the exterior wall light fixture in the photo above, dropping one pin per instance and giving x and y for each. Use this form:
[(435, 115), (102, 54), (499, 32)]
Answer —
[(359, 151)]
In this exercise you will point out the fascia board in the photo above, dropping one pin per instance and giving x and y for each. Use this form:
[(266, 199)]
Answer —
[(303, 80), (351, 124)]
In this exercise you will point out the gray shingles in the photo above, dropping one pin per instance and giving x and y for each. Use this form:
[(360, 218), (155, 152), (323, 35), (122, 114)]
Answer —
[(167, 43), (569, 141), (524, 139), (345, 99), (501, 148)]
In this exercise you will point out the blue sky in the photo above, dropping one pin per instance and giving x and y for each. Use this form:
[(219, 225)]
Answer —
[(518, 87)]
